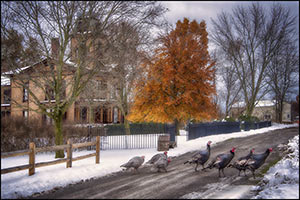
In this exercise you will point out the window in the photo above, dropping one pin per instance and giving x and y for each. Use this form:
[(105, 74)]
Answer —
[(25, 92), (113, 93), (49, 93), (7, 93), (63, 89), (267, 117), (83, 114), (103, 85), (65, 116), (5, 113), (46, 118), (25, 113), (115, 115)]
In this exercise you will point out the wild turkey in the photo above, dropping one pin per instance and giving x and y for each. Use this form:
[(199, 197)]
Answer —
[(162, 163), (157, 156), (257, 160), (221, 161), (134, 162), (240, 164), (200, 157)]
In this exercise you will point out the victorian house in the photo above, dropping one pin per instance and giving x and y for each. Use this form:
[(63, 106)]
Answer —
[(100, 108)]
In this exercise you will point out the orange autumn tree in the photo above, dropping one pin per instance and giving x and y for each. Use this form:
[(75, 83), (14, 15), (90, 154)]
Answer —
[(178, 83)]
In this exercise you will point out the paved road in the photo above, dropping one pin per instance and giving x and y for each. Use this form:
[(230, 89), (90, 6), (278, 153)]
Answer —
[(180, 179)]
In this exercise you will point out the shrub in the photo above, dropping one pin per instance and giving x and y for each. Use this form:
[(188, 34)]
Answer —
[(17, 133), (229, 119), (248, 118)]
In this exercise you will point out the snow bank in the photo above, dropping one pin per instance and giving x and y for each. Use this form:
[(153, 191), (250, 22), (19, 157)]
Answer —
[(282, 180)]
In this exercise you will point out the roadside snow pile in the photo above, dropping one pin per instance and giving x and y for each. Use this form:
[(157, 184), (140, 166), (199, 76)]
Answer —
[(282, 180)]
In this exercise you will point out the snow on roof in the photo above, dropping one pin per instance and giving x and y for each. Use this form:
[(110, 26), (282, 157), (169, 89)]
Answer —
[(18, 70), (261, 103), (265, 103), (5, 80), (238, 104)]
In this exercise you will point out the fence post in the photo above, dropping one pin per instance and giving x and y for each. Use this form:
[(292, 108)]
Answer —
[(97, 149), (188, 132), (89, 136), (69, 153), (31, 159)]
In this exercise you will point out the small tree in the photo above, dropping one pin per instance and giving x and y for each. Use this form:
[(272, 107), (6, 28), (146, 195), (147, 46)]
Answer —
[(178, 84)]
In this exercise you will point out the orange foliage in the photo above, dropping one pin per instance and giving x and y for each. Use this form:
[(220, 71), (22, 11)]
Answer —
[(179, 80)]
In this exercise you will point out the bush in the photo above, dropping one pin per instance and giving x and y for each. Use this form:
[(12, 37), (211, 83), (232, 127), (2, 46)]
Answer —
[(17, 133), (229, 119), (248, 118)]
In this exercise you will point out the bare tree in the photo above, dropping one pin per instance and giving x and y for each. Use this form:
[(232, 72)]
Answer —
[(283, 74), (249, 37), (85, 23), (230, 87), (127, 54)]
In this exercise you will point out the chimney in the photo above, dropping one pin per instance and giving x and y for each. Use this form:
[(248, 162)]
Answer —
[(54, 47)]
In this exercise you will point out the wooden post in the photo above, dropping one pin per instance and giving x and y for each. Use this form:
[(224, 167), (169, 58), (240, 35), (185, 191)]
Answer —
[(69, 154), (97, 149), (31, 159)]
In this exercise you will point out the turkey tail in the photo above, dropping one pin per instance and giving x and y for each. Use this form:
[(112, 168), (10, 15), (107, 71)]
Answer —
[(206, 167), (123, 165), (189, 161), (230, 165), (211, 165)]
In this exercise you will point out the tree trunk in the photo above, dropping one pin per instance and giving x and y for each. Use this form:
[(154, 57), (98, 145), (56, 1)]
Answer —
[(249, 108), (59, 136), (176, 123), (280, 111), (126, 124), (91, 115)]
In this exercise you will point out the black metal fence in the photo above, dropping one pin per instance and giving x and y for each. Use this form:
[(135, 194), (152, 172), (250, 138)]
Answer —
[(142, 141), (213, 128), (247, 126), (143, 135)]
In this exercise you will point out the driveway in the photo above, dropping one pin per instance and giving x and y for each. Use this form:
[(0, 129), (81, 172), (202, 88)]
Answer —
[(181, 181)]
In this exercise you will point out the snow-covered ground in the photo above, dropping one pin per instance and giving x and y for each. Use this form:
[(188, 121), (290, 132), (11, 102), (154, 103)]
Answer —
[(282, 180), (19, 184)]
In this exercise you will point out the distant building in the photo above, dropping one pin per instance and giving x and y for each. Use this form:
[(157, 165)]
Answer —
[(264, 110)]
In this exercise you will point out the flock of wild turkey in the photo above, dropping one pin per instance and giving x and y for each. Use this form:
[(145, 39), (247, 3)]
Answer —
[(161, 161)]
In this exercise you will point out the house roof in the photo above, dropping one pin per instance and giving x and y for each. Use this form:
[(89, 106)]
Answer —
[(19, 70), (5, 80), (261, 103)]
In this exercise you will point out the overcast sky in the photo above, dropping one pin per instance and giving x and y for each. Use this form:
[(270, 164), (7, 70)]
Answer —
[(205, 10)]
